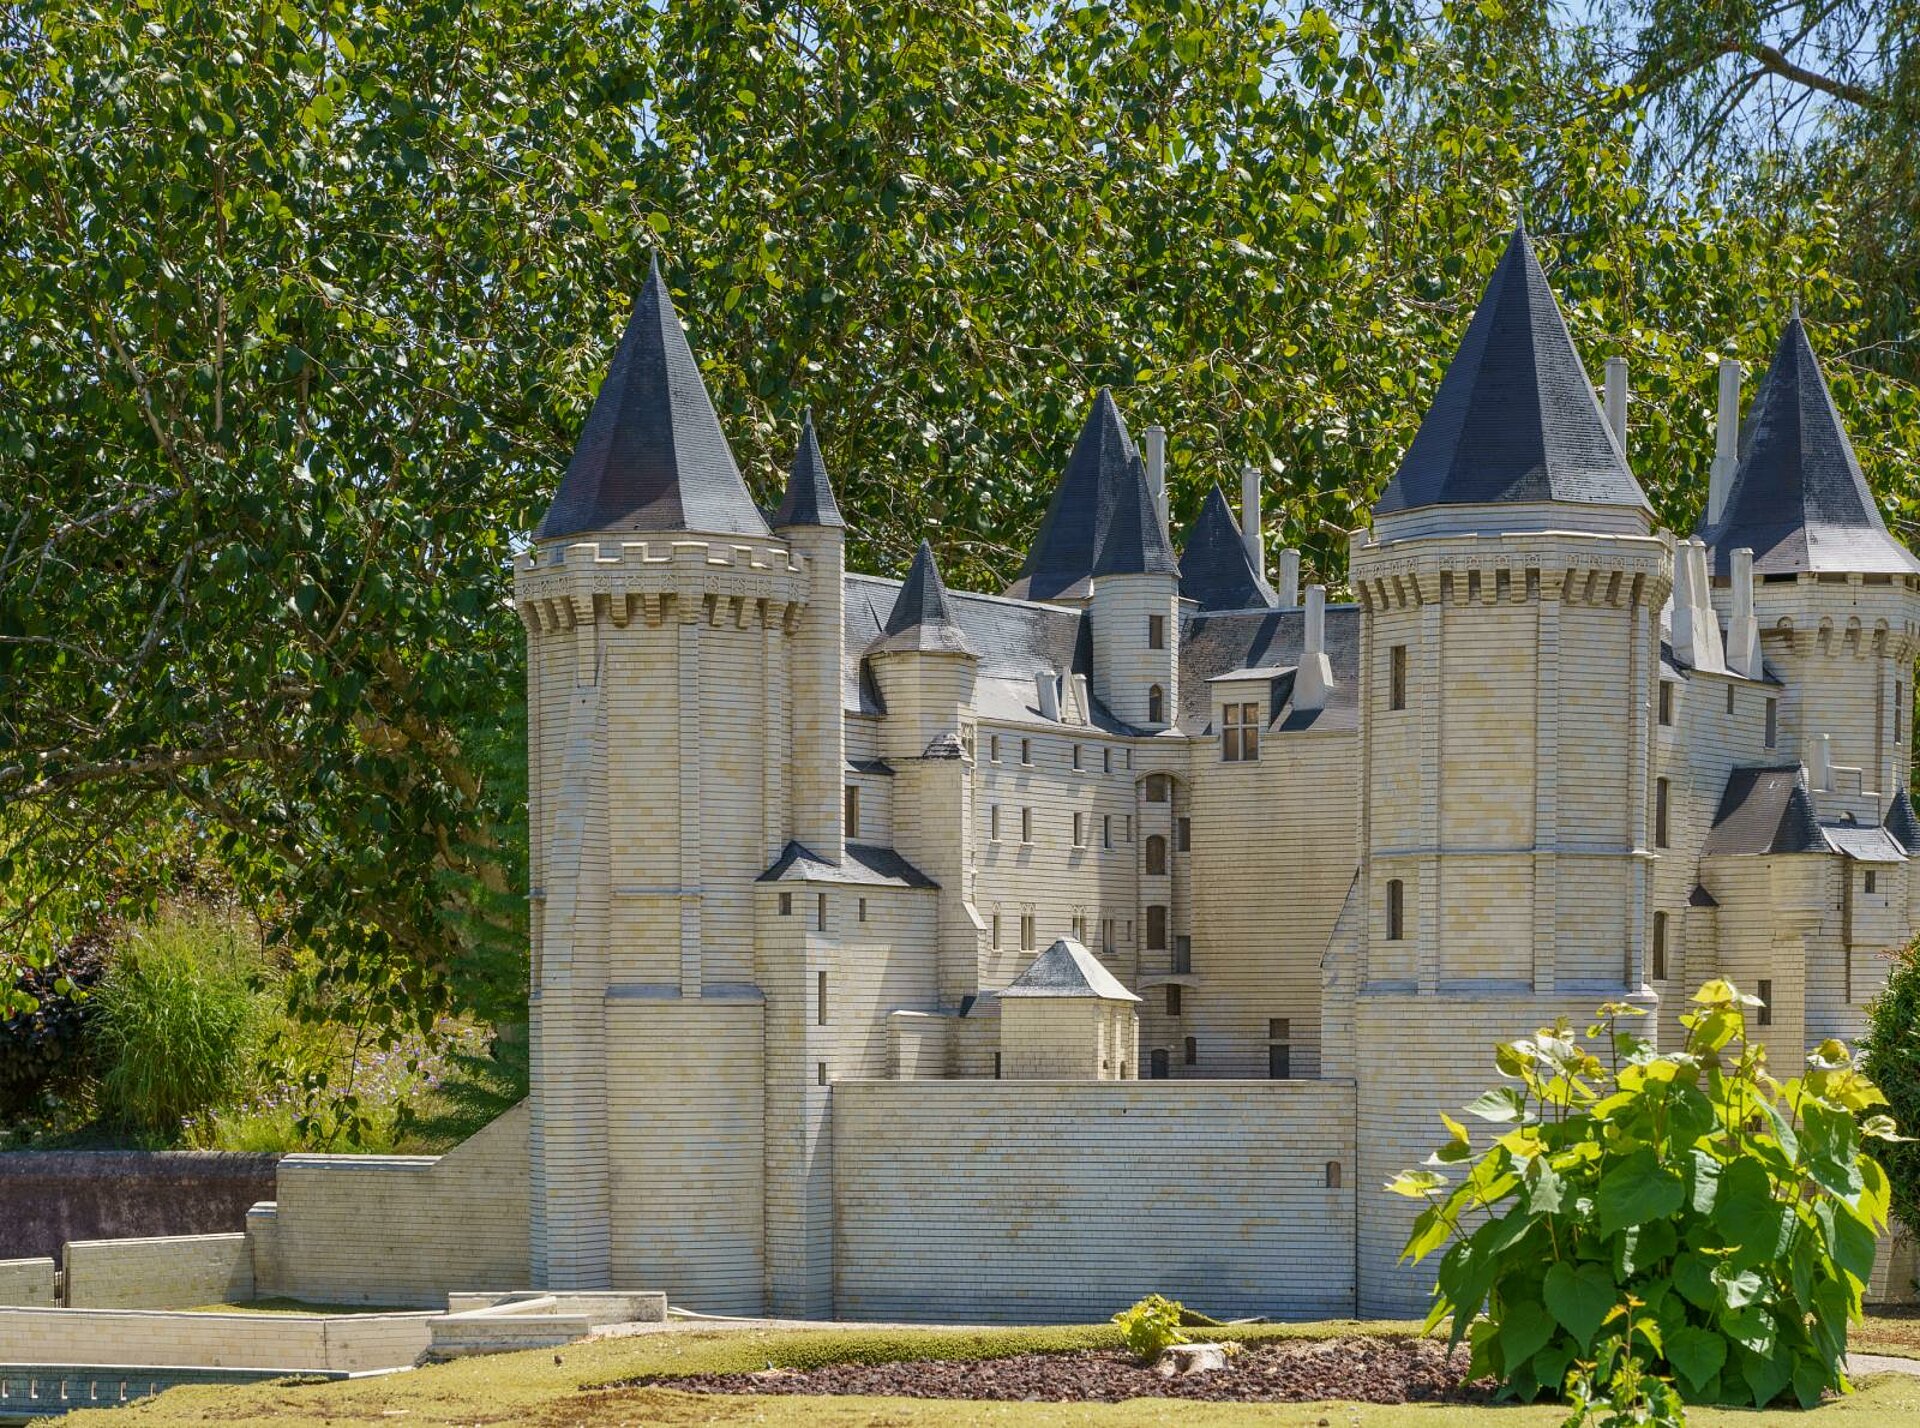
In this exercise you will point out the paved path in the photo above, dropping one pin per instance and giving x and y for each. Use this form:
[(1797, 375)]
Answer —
[(1858, 1364)]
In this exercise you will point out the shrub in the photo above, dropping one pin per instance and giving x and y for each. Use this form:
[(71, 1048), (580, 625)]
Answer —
[(1738, 1211), (43, 1045), (174, 1021), (1890, 1056), (1152, 1326)]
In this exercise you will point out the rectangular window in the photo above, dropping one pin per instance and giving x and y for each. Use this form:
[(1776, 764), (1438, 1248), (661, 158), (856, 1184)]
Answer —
[(820, 1072), (996, 929), (820, 998), (996, 1066), (1080, 929), (1193, 1052), (1106, 830), (1659, 947), (1129, 760), (1157, 927), (1026, 751), (1765, 1017), (853, 812), (1870, 882), (1156, 632), (1660, 801), (1106, 935), (993, 748), (1076, 756), (993, 823), (1183, 835), (1397, 677), (1026, 825), (820, 913), (1773, 723), (1666, 703), (1106, 761), (1173, 999), (1279, 1063), (1396, 910), (1026, 932), (1239, 733), (1126, 828), (1279, 1028), (1729, 699), (786, 904), (863, 909), (1183, 954), (1079, 830), (1899, 707)]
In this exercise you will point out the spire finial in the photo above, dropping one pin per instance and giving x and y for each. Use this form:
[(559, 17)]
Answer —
[(1796, 305), (653, 266)]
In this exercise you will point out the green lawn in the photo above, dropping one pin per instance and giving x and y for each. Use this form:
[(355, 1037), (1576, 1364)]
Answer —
[(533, 1388)]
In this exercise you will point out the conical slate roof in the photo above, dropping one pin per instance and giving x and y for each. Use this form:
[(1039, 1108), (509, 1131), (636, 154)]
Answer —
[(1067, 969), (1134, 542), (809, 499), (921, 620), (1515, 418), (652, 456), (1064, 552), (1799, 500), (1215, 569), (1902, 823)]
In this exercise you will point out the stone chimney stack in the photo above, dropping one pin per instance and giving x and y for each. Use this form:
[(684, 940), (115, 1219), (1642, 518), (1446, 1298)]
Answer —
[(1726, 441), (1617, 399), (1156, 440), (1743, 627), (1289, 586), (1821, 774), (1250, 519), (1685, 605), (1314, 680), (1046, 686), (1709, 652)]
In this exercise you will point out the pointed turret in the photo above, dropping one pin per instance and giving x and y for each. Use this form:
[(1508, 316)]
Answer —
[(1063, 554), (921, 620), (652, 456), (1134, 540), (1902, 823), (1515, 420), (809, 499), (1799, 500), (1215, 569)]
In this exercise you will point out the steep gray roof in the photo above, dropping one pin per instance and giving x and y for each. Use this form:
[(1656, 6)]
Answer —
[(1863, 842), (1267, 641), (1515, 418), (652, 456), (1902, 823), (1799, 500), (866, 864), (920, 619), (1063, 553), (1134, 541), (1215, 569), (1067, 969), (1765, 809), (809, 498)]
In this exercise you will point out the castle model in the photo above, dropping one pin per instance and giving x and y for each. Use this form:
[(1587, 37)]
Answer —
[(900, 952)]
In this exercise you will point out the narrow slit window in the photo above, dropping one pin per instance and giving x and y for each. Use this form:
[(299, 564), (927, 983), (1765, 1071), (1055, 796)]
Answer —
[(1026, 932), (1026, 751), (1156, 632), (853, 811), (820, 912), (1183, 835), (1157, 927), (1872, 882), (1192, 1056), (1156, 856), (863, 909), (1333, 1175), (1076, 756), (1659, 947), (786, 904), (1773, 723), (996, 930), (1666, 703), (1106, 830), (1397, 677), (1026, 825), (1660, 801), (1729, 699), (1079, 830), (1765, 1016), (1156, 705), (993, 748), (1173, 999), (993, 823), (1183, 954), (820, 997), (1396, 910), (1106, 935)]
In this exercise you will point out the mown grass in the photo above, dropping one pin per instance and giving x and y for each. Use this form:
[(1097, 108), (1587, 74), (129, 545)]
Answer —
[(557, 1390)]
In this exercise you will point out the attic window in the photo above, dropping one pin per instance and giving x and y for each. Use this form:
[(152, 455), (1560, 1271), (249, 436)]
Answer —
[(1156, 705), (1239, 733), (1156, 632)]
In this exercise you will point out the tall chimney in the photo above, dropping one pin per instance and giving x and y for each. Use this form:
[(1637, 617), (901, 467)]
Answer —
[(1046, 688), (1157, 467), (1250, 519), (1289, 579), (1707, 649), (1083, 703), (1743, 628), (1314, 679), (1617, 399), (1726, 440), (1821, 773), (1685, 606)]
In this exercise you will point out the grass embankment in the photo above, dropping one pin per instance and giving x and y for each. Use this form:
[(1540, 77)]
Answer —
[(555, 1390)]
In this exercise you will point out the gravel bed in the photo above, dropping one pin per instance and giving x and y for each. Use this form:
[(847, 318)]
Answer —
[(1366, 1370)]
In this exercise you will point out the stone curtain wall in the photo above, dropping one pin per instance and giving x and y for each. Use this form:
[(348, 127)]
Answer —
[(175, 1272), (1038, 1202), (50, 1197), (156, 1338), (26, 1281)]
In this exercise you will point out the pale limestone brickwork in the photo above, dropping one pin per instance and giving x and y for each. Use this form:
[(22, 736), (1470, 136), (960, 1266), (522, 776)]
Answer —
[(26, 1281), (164, 1272), (157, 1338), (908, 952)]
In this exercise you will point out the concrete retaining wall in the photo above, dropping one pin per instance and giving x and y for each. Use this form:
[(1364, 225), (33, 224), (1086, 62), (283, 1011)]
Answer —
[(50, 1197), (1002, 1202), (174, 1272), (152, 1337)]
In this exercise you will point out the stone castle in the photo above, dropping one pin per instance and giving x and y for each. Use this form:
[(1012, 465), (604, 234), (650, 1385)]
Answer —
[(904, 953)]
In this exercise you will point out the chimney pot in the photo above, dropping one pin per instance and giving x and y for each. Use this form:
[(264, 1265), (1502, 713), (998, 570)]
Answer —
[(1313, 681), (1743, 627), (1289, 579), (1726, 441), (1822, 771), (1156, 437), (1046, 686), (1250, 519), (1617, 399)]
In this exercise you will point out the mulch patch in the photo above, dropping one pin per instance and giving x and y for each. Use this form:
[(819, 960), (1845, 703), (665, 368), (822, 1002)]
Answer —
[(1365, 1370)]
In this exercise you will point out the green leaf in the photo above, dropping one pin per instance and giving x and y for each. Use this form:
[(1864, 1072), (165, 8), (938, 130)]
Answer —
[(1767, 1372), (1737, 1289), (1635, 1189), (1811, 1379), (1751, 1327), (1580, 1297), (1693, 1277), (1524, 1329), (1745, 1210), (1501, 1105), (1697, 1354)]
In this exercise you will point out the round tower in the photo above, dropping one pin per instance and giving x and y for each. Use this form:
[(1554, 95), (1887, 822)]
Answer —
[(1510, 593)]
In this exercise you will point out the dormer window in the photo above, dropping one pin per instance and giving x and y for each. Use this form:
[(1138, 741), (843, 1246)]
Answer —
[(1240, 733)]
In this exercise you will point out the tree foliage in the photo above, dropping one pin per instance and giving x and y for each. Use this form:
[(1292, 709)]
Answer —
[(1890, 1054), (1721, 1218), (303, 304)]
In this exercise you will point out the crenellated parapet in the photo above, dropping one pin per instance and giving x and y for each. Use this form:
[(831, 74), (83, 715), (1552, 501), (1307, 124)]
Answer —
[(717, 583), (1573, 567), (1861, 616)]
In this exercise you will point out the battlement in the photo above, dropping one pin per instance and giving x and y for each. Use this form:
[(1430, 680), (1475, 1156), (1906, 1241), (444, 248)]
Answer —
[(1577, 567), (718, 582)]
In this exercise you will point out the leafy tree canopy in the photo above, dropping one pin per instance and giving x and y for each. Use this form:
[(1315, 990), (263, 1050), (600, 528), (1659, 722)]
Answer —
[(301, 306)]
